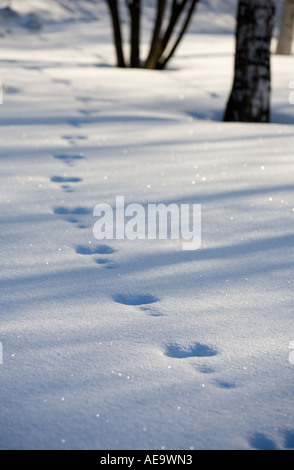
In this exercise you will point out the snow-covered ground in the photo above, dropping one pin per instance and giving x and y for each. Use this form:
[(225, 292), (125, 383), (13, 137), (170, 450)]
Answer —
[(125, 344)]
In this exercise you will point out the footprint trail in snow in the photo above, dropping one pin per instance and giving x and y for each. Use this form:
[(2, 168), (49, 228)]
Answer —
[(90, 250)]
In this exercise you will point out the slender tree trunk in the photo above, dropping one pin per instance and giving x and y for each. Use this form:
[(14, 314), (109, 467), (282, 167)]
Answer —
[(286, 28), (156, 42), (135, 13), (114, 13), (162, 61), (250, 97), (163, 39), (177, 8), (160, 41)]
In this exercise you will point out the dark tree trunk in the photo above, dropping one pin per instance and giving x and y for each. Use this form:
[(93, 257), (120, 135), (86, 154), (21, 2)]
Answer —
[(135, 13), (156, 42), (177, 8), (114, 13), (250, 97), (157, 58), (162, 61)]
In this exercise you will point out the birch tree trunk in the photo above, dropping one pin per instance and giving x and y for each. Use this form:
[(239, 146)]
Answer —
[(286, 28), (250, 96)]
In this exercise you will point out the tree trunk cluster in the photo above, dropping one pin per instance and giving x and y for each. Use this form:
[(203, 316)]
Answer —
[(166, 35)]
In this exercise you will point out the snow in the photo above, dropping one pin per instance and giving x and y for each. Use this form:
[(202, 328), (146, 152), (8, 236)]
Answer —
[(137, 344)]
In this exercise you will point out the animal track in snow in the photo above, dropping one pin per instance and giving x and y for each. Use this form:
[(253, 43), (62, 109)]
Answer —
[(65, 179), (74, 137), (135, 299), (69, 159), (94, 250), (206, 370), (101, 261), (71, 214), (226, 385), (195, 350), (289, 439), (106, 263), (260, 441), (67, 188), (153, 312), (72, 220), (86, 112), (98, 250), (62, 210)]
